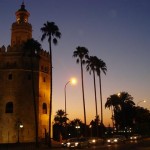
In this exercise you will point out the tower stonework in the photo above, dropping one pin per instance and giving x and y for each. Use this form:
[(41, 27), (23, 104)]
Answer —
[(21, 29), (17, 120)]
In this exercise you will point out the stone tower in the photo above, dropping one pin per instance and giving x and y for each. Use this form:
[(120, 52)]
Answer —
[(17, 121), (21, 29)]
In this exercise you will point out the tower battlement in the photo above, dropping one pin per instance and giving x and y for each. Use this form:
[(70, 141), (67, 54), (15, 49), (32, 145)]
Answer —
[(44, 53), (9, 48)]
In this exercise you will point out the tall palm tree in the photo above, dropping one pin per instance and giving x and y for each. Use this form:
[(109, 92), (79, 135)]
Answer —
[(81, 54), (91, 67), (31, 48), (50, 30), (101, 67)]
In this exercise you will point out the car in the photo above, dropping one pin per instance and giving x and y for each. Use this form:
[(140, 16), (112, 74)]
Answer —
[(135, 137), (116, 139), (95, 140), (64, 144), (77, 142)]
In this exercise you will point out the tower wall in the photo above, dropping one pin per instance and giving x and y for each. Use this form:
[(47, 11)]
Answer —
[(16, 87), (21, 32), (16, 90)]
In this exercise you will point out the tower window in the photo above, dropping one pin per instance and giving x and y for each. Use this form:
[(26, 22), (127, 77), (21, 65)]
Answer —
[(9, 107), (10, 76), (18, 20), (44, 107)]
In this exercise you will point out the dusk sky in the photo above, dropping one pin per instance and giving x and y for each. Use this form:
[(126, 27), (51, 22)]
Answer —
[(116, 31)]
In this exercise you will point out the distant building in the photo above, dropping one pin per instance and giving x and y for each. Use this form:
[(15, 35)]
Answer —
[(17, 121)]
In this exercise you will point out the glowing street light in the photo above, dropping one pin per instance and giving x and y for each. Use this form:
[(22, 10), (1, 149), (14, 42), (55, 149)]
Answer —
[(119, 94), (19, 126), (141, 102), (73, 81)]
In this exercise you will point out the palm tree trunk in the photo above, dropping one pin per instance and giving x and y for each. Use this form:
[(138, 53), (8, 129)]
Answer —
[(101, 101), (83, 98), (95, 101), (35, 106), (112, 113), (95, 93), (50, 104)]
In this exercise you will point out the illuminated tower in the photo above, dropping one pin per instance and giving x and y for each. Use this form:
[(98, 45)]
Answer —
[(17, 120), (21, 29)]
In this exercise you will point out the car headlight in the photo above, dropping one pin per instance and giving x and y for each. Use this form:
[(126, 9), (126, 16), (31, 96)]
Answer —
[(93, 141), (76, 143), (108, 140), (115, 140), (68, 143)]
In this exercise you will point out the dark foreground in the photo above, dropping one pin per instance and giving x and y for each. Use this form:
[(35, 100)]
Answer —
[(136, 145)]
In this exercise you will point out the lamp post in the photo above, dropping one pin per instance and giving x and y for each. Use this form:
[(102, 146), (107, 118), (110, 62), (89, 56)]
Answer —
[(90, 126), (73, 81), (141, 102), (65, 96), (19, 126), (77, 127)]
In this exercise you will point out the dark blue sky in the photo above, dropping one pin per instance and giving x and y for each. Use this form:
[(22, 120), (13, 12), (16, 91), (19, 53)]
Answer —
[(117, 31)]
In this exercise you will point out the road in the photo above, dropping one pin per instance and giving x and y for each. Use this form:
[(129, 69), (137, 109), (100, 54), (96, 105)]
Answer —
[(140, 145), (136, 145)]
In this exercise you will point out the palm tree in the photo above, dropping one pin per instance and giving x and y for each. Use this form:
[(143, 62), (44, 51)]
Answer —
[(50, 30), (125, 98), (101, 67), (82, 53), (31, 48), (121, 103), (94, 125), (113, 104), (126, 103), (75, 122), (60, 119), (91, 67), (77, 127)]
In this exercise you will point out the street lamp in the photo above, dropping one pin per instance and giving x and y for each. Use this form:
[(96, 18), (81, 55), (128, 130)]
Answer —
[(19, 126), (90, 126), (119, 94), (77, 127), (72, 81), (141, 102)]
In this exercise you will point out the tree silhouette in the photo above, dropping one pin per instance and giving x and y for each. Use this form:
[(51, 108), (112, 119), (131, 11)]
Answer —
[(50, 30), (31, 48), (81, 54), (122, 104)]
